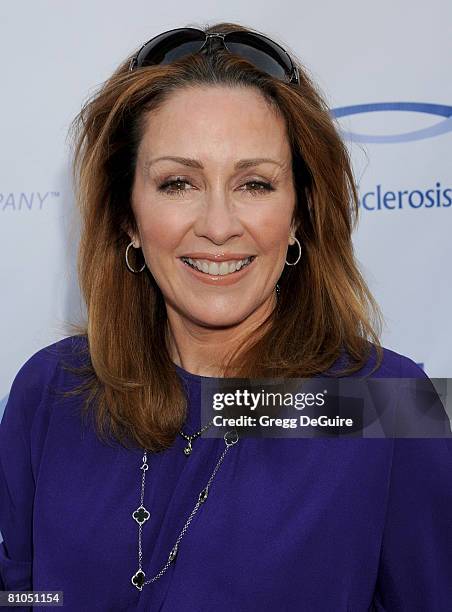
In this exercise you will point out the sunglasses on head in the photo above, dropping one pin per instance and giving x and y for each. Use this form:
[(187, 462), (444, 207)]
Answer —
[(259, 50)]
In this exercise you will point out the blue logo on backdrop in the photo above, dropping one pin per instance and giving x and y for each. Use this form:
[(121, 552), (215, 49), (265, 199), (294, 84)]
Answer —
[(439, 110), (379, 197), (384, 199), (26, 200)]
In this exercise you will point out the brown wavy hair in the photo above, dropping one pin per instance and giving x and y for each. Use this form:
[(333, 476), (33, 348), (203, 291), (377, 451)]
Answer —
[(325, 313)]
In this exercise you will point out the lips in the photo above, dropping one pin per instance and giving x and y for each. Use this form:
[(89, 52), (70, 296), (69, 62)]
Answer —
[(216, 276), (221, 256), (214, 268)]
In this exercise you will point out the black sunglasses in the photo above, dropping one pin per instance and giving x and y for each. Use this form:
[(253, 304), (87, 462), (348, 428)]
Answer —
[(261, 51)]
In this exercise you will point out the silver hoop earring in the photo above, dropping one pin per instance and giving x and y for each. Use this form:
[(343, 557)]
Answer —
[(299, 254), (127, 261)]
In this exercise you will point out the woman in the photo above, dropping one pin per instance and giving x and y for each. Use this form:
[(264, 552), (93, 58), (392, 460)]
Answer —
[(217, 205)]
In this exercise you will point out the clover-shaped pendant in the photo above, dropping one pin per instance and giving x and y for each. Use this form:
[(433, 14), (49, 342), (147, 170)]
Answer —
[(141, 515), (138, 579)]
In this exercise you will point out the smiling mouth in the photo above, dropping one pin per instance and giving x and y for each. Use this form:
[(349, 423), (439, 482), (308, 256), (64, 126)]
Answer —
[(212, 268)]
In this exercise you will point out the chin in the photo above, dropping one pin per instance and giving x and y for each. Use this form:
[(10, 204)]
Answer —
[(218, 317)]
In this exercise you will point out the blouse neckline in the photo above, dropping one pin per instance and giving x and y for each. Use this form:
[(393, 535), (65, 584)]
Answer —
[(194, 377)]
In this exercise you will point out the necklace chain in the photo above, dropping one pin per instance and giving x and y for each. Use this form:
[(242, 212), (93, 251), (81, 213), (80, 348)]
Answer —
[(141, 514), (189, 448)]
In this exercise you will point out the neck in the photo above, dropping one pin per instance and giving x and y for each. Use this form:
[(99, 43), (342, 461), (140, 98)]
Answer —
[(201, 349)]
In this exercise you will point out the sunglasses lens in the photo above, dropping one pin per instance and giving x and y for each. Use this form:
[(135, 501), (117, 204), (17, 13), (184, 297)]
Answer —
[(170, 46), (263, 53)]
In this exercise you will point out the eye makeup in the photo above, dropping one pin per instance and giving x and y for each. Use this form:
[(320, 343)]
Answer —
[(168, 186)]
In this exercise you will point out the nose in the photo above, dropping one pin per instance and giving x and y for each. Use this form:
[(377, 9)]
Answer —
[(217, 219)]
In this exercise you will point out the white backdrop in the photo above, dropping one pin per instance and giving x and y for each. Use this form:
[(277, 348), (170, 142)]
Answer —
[(53, 54)]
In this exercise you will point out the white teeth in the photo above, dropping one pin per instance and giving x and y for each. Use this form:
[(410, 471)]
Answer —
[(217, 269), (214, 268)]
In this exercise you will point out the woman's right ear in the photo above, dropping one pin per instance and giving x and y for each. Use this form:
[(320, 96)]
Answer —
[(133, 238)]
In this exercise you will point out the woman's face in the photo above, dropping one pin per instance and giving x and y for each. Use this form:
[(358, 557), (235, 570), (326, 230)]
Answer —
[(216, 204)]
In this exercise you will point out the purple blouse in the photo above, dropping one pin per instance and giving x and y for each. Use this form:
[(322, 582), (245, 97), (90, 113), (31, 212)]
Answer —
[(312, 524)]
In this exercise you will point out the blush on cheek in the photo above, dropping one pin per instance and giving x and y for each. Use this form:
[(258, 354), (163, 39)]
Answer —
[(274, 228)]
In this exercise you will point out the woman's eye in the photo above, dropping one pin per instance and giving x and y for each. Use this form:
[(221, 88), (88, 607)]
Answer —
[(171, 187), (175, 186), (259, 187)]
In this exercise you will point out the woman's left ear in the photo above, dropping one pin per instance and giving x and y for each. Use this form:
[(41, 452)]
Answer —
[(133, 238)]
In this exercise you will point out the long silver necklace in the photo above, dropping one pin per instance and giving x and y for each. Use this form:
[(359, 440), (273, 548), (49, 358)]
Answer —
[(141, 514)]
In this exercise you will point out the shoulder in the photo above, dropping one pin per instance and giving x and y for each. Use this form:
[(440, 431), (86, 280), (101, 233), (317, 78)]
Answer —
[(393, 365), (402, 365), (420, 411), (39, 372), (39, 368)]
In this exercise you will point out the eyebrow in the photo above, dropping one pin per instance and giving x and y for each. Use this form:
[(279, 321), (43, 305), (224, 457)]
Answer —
[(195, 163)]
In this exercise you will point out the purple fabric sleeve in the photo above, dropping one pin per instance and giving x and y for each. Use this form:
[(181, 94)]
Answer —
[(17, 481), (415, 570)]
